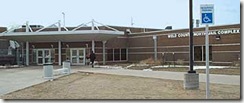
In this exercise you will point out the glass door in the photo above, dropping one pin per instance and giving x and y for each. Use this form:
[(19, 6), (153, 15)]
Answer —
[(77, 56), (39, 57), (47, 56), (43, 56)]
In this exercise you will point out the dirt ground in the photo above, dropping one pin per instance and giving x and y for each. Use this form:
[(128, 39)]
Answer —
[(102, 86)]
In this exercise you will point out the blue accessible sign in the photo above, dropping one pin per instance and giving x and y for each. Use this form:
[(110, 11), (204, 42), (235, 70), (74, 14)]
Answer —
[(207, 14)]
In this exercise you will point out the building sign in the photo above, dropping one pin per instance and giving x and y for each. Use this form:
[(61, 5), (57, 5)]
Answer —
[(202, 33)]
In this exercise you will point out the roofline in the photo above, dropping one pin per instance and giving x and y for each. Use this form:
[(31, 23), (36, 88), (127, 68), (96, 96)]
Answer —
[(62, 33), (165, 30)]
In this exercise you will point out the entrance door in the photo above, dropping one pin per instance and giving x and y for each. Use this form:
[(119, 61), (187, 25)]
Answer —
[(43, 56), (77, 56)]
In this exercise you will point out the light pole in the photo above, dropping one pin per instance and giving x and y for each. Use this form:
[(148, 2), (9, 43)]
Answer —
[(191, 38), (63, 18), (191, 78)]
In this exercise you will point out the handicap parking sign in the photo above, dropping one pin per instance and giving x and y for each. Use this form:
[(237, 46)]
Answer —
[(207, 13), (207, 18)]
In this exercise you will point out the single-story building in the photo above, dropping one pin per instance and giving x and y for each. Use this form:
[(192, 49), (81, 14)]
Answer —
[(112, 44)]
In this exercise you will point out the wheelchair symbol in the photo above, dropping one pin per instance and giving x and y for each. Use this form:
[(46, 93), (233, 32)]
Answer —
[(206, 19)]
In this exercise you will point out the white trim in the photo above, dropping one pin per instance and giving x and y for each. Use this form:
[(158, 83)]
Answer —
[(81, 32), (184, 46), (226, 51), (232, 44)]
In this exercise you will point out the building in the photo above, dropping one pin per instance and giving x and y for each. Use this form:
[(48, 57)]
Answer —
[(113, 44)]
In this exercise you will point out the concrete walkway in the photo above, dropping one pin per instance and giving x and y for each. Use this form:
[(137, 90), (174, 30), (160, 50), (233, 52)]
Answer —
[(19, 78), (214, 78)]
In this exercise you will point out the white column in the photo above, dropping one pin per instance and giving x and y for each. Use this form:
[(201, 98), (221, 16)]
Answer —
[(17, 56), (27, 53), (104, 58), (59, 25), (59, 53), (27, 26), (22, 53), (93, 26), (155, 48), (93, 46)]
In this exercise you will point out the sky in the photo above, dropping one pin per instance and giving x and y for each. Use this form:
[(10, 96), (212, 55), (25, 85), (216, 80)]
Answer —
[(145, 13)]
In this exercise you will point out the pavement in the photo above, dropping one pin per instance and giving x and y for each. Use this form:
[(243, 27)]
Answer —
[(18, 78)]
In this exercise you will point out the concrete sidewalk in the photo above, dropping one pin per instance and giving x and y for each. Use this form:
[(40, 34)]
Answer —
[(19, 78), (214, 78)]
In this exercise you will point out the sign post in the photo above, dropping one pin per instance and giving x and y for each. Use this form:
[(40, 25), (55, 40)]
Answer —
[(207, 17)]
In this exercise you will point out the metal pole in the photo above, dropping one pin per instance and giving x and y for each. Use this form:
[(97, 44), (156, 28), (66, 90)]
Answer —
[(27, 53), (155, 48), (104, 51), (63, 18), (59, 53), (191, 38), (207, 62)]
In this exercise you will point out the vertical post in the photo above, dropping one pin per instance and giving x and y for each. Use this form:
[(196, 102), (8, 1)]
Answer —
[(63, 18), (93, 46), (17, 56), (22, 53), (191, 38), (27, 53), (27, 26), (173, 58), (207, 62), (104, 56), (59, 25), (93, 26), (191, 79), (155, 48), (127, 54), (59, 53)]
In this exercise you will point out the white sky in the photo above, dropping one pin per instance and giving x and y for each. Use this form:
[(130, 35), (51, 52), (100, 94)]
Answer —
[(145, 13)]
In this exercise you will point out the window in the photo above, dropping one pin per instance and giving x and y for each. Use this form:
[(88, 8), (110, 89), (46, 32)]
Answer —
[(116, 54), (199, 53), (110, 54), (123, 54)]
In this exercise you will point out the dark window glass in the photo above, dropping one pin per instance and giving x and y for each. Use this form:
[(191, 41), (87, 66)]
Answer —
[(116, 54), (123, 54), (210, 53), (110, 55), (200, 53)]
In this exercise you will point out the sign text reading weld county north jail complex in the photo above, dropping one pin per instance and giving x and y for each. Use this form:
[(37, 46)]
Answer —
[(202, 33)]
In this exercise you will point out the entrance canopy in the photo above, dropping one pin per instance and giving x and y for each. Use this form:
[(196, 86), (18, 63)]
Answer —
[(84, 35), (76, 34)]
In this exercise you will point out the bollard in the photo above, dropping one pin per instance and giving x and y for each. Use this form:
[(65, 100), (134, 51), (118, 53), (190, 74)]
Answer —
[(66, 64), (48, 71)]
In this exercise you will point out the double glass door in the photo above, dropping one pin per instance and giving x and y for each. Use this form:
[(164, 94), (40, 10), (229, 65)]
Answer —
[(43, 56), (77, 56)]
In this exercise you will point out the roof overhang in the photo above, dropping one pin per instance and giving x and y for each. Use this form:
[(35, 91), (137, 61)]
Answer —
[(65, 36)]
